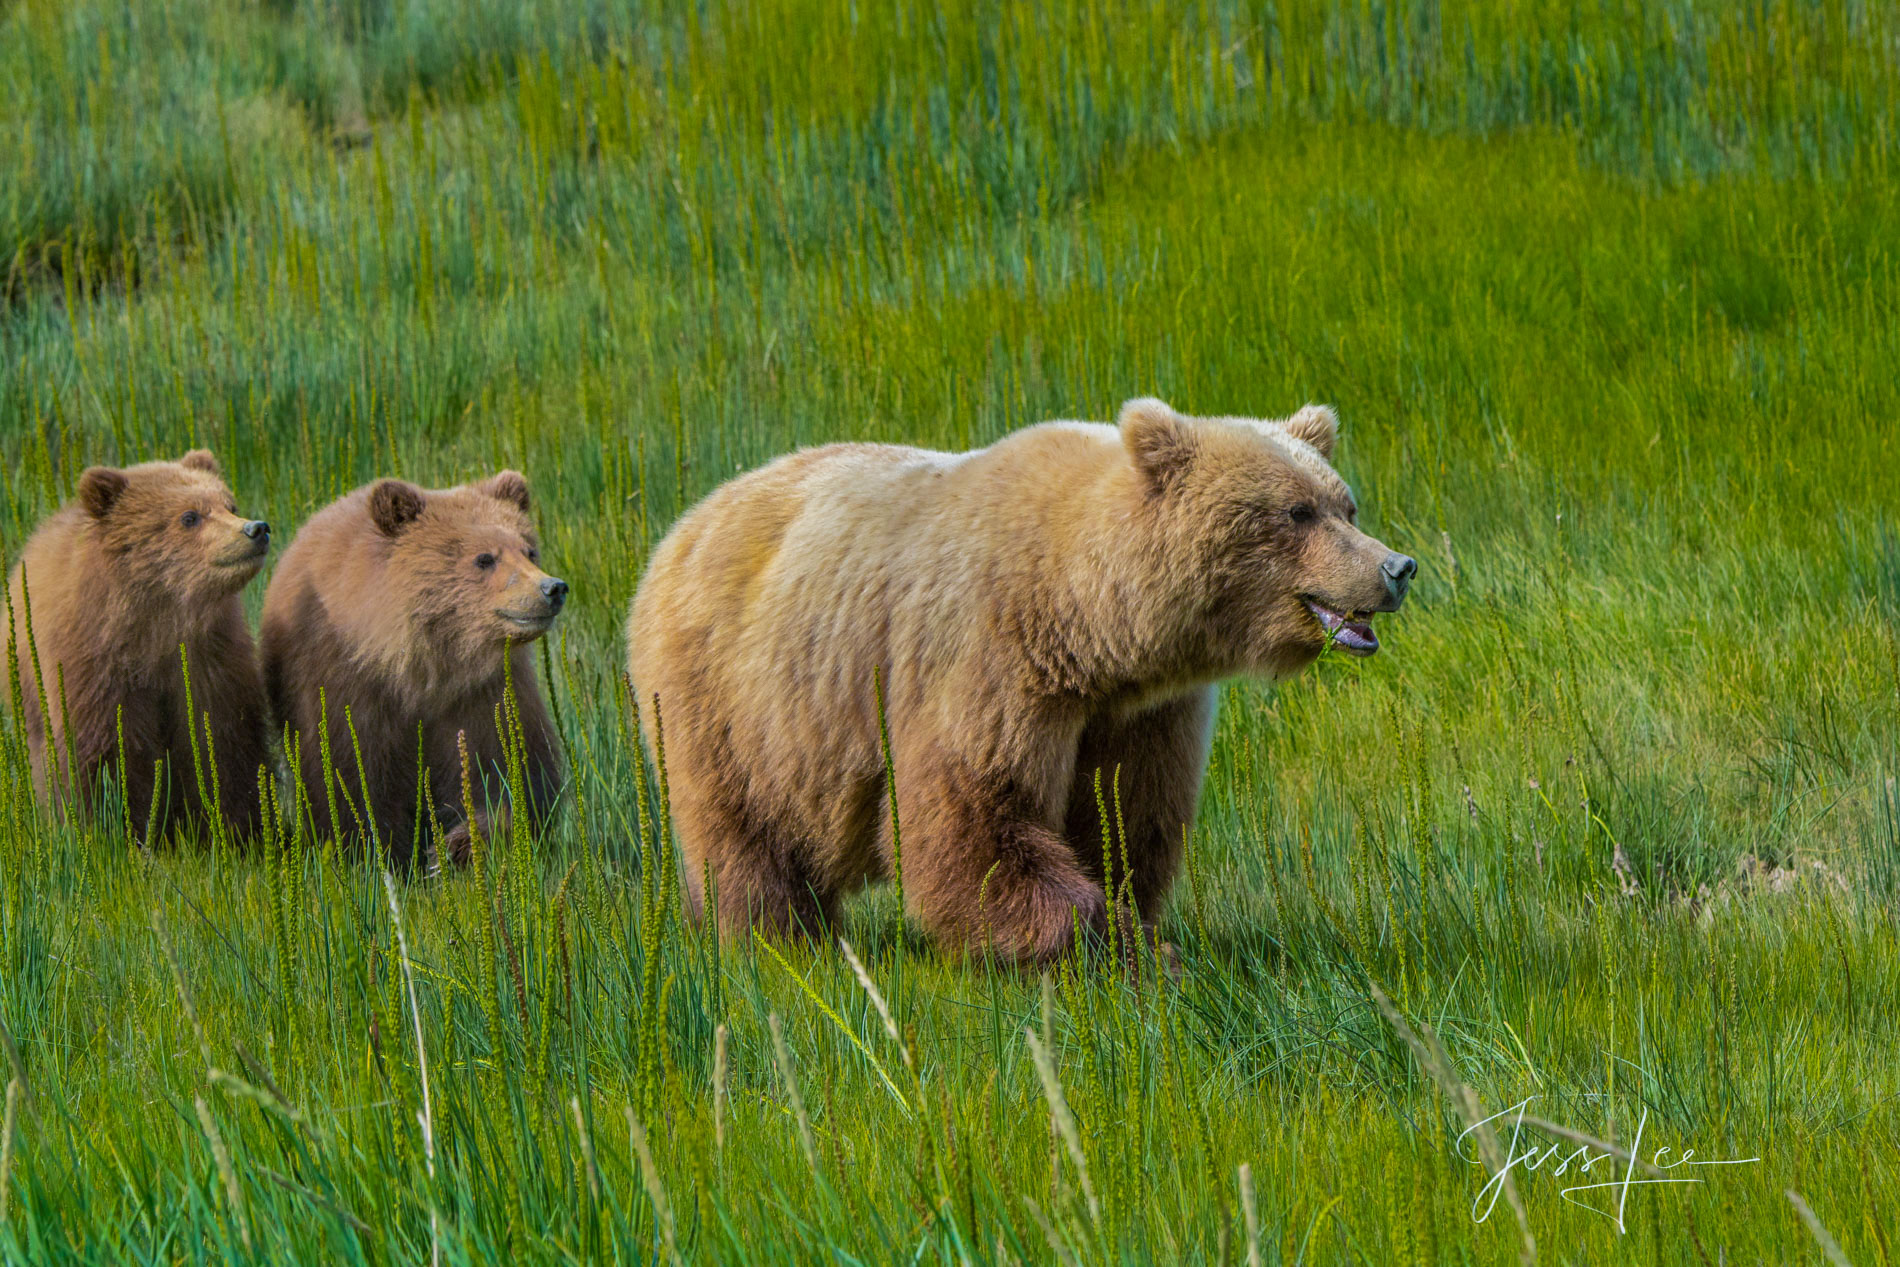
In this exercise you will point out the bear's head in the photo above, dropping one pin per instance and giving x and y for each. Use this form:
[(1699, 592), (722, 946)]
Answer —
[(172, 530), (1260, 531), (467, 562)]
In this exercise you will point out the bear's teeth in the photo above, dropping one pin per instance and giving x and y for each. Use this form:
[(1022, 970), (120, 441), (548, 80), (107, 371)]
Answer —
[(1354, 637), (1326, 616)]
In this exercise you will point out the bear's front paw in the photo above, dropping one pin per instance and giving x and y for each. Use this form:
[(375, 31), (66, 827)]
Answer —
[(456, 846)]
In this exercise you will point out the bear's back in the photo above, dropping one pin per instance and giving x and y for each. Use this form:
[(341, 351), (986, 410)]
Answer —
[(328, 614), (336, 553), (57, 562), (828, 560), (820, 508), (62, 584)]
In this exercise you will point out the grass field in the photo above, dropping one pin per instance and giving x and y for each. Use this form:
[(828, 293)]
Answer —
[(1605, 294)]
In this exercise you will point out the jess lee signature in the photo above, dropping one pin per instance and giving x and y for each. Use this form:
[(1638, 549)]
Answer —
[(1582, 1159)]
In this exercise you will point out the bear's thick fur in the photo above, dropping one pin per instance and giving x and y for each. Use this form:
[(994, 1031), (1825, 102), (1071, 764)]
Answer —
[(393, 611), (142, 561), (1060, 602)]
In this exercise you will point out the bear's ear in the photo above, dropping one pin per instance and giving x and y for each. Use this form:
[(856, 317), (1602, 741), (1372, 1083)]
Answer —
[(1160, 441), (1318, 425), (510, 487), (394, 505), (99, 489), (201, 460)]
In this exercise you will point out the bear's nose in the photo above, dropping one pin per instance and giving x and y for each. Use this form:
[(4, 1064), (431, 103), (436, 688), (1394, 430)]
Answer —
[(554, 589), (257, 530), (1399, 570)]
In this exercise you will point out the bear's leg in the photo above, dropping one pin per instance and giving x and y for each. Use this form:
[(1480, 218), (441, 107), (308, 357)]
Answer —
[(307, 766), (240, 753), (546, 772), (983, 869), (1162, 755), (228, 699), (760, 874), (381, 807), (141, 719)]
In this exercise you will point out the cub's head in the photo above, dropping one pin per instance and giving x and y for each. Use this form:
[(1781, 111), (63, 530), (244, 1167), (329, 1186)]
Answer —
[(173, 528), (467, 562), (1255, 509)]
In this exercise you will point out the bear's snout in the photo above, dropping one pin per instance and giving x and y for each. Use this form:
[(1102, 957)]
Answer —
[(554, 590), (1398, 570), (242, 553)]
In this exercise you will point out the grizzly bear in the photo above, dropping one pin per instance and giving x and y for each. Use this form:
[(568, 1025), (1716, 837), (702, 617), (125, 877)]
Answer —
[(397, 616), (1060, 603), (144, 561)]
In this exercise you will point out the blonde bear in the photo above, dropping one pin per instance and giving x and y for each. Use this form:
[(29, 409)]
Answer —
[(1060, 603)]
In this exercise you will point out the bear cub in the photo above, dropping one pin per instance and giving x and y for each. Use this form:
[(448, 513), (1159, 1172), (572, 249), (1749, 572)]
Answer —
[(144, 560), (401, 613)]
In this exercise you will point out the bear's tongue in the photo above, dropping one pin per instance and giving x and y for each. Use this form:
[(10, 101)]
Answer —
[(1352, 636)]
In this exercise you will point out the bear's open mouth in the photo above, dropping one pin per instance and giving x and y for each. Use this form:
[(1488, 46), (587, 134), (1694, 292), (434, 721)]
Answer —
[(538, 621), (1351, 633)]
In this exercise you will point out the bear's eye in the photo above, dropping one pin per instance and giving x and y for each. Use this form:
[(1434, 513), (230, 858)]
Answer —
[(190, 519), (1301, 514), (534, 555), (484, 561)]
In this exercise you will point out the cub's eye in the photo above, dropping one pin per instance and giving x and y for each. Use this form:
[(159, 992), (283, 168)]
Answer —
[(1301, 514), (191, 519), (534, 555), (484, 561)]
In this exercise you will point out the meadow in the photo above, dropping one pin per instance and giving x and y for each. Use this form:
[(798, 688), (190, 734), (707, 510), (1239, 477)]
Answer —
[(1605, 295)]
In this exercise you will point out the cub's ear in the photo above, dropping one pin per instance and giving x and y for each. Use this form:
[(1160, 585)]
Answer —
[(99, 489), (201, 460), (508, 486), (394, 505), (1318, 425), (1160, 441)]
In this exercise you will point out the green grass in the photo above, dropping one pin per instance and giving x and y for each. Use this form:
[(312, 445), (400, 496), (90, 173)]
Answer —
[(1605, 294)]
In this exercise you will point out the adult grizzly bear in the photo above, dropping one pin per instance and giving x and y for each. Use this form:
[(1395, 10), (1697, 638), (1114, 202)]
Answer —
[(401, 612), (1060, 602), (143, 561)]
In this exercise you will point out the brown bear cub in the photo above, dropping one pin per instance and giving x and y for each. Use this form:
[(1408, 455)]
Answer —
[(401, 612), (145, 560), (1059, 603)]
